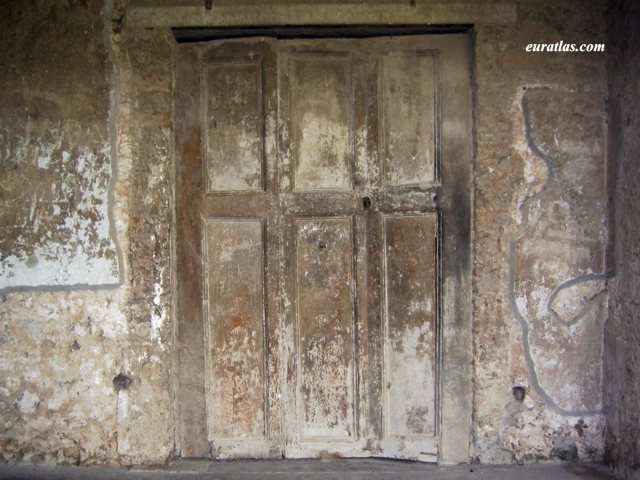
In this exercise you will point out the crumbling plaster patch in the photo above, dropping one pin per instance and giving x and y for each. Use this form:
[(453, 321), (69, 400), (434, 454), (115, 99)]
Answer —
[(58, 355), (144, 146), (55, 160), (559, 249), (70, 218)]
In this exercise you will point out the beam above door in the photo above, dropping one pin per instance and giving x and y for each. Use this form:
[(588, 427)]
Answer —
[(176, 13)]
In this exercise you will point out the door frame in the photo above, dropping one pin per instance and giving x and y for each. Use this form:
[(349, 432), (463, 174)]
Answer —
[(456, 206)]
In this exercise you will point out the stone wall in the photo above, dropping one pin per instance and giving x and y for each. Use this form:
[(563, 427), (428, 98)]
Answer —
[(539, 293), (622, 332)]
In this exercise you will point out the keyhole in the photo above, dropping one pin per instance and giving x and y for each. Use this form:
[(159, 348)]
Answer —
[(366, 203)]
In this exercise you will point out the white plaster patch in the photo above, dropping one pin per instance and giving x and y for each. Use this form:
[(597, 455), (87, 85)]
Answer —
[(158, 313), (535, 169), (540, 295), (44, 162), (108, 316), (570, 302), (521, 303), (28, 403)]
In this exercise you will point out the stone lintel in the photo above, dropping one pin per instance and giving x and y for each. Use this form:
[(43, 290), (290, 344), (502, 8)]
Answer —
[(177, 14)]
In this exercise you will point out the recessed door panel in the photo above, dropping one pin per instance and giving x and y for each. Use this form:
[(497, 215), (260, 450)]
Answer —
[(321, 112), (411, 331), (408, 82), (235, 328), (325, 325), (233, 131)]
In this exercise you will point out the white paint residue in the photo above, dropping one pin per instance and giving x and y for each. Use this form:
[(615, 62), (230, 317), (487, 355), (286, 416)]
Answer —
[(417, 306), (158, 314), (521, 303), (44, 162), (411, 379), (323, 154), (243, 171), (44, 152), (123, 407), (81, 261), (28, 402)]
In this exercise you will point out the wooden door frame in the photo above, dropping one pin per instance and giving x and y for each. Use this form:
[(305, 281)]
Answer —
[(456, 202)]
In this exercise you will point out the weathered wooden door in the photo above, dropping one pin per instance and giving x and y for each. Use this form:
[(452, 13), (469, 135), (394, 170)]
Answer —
[(309, 242)]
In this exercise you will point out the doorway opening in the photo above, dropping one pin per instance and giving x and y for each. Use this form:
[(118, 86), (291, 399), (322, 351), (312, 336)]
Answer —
[(323, 206)]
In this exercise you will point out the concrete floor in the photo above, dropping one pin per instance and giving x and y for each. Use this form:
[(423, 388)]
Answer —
[(369, 469)]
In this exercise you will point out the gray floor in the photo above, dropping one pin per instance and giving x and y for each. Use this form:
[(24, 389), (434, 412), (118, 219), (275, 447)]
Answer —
[(368, 469)]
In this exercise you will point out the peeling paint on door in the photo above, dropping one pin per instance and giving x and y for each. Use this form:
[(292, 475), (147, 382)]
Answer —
[(321, 300), (325, 316)]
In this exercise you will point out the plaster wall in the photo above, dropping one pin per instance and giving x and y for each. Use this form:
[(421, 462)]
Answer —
[(538, 286), (72, 85), (56, 150)]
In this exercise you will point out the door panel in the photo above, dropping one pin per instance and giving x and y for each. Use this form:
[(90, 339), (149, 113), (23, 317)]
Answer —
[(321, 100), (311, 222), (325, 328), (408, 83), (411, 332), (233, 131), (235, 328)]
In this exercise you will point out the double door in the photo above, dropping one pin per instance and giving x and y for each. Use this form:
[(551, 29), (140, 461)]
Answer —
[(309, 244)]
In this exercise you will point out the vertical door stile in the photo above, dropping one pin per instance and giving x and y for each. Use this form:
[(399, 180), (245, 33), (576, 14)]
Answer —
[(191, 407), (285, 259)]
